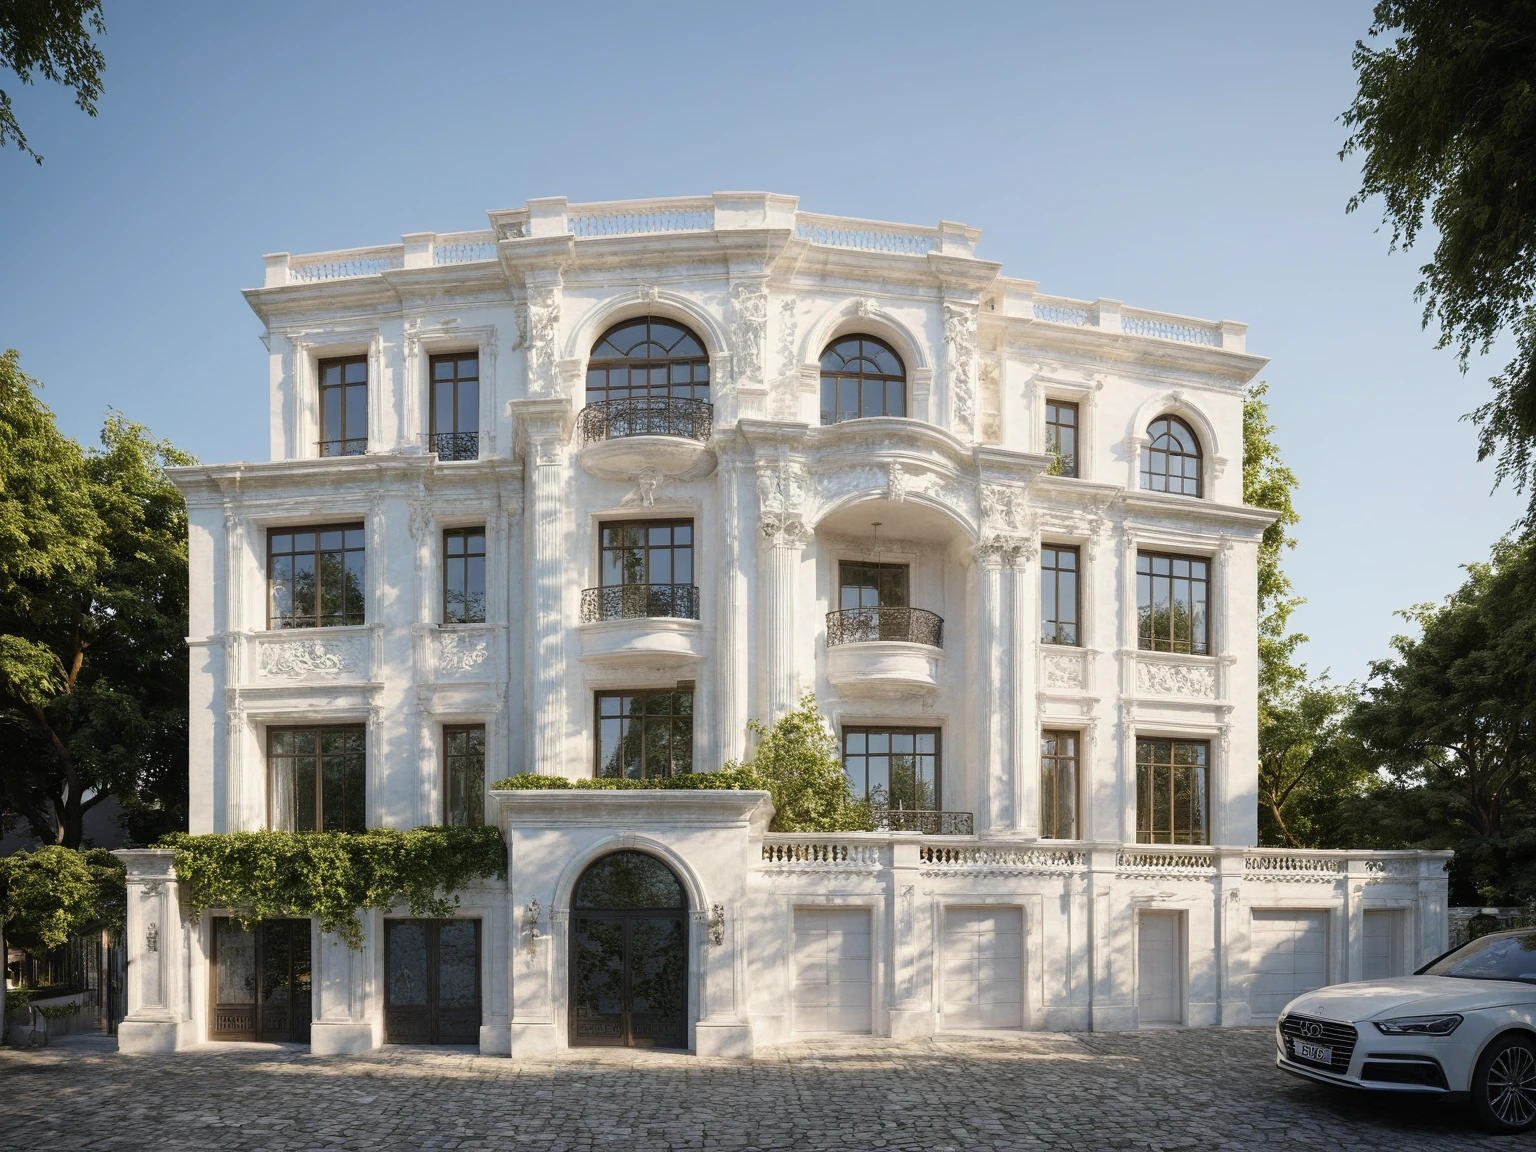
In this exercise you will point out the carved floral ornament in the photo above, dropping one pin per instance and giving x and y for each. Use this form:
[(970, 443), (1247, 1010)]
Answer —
[(1062, 670), (960, 358), (296, 658), (1175, 679), (749, 328), (543, 328), (460, 652)]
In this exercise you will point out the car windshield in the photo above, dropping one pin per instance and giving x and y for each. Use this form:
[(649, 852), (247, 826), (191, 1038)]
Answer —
[(1502, 956)]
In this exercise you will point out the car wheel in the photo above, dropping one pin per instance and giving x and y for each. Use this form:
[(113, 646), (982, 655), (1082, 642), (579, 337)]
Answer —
[(1504, 1086)]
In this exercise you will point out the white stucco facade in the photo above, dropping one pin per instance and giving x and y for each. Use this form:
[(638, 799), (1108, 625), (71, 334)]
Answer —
[(1011, 926)]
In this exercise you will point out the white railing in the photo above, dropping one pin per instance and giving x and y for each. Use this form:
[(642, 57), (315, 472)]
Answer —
[(1184, 331), (1057, 310), (821, 855), (868, 235), (463, 248), (1174, 863), (345, 265), (969, 858), (1292, 866), (639, 217)]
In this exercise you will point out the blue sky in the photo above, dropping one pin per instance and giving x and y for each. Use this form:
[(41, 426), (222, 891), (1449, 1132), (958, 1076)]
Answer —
[(1181, 157)]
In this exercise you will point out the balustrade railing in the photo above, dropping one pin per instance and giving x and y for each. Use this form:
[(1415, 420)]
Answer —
[(931, 822), (908, 625), (639, 601), (454, 445), (836, 232), (646, 416), (821, 855), (683, 218), (354, 447), (345, 265), (1162, 328)]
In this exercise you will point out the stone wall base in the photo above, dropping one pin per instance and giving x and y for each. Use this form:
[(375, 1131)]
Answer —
[(340, 1039)]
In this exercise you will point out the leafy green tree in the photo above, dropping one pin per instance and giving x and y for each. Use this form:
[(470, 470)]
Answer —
[(52, 37), (53, 893), (93, 615), (1444, 121), (1268, 483), (1308, 762), (798, 762)]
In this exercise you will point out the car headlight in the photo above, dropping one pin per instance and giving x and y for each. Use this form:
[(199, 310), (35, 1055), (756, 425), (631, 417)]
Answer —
[(1419, 1025)]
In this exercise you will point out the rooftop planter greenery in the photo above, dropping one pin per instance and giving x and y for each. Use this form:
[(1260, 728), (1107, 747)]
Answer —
[(334, 875)]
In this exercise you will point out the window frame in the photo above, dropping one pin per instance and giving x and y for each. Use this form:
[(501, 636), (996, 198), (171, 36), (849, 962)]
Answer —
[(475, 812), (672, 716), (607, 364), (1077, 593), (1209, 583), (903, 378), (875, 566), (319, 730), (344, 439), (317, 530), (1144, 835), (466, 533), (645, 549), (1074, 470), (1145, 473), (1076, 761), (433, 360), (890, 730)]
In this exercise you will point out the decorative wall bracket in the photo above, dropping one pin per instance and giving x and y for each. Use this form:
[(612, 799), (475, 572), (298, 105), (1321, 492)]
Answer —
[(717, 924), (531, 924)]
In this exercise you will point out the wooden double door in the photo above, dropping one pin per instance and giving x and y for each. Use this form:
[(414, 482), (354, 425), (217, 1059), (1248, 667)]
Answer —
[(262, 987), (432, 981)]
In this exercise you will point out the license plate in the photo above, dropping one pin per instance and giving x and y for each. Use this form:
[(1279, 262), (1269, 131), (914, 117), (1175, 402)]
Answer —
[(1317, 1052)]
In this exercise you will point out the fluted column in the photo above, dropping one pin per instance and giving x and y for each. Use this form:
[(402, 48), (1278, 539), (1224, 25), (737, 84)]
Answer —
[(996, 790), (785, 537), (1023, 739)]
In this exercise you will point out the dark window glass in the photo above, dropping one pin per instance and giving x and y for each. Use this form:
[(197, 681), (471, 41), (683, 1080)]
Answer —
[(644, 735), (894, 767), (646, 552), (464, 775), (1061, 437), (344, 407), (861, 376), (317, 779), (647, 357), (464, 576), (455, 416), (1058, 785), (1171, 461), (866, 585), (1058, 594), (1171, 788), (1173, 603), (629, 880), (316, 576), (1502, 956)]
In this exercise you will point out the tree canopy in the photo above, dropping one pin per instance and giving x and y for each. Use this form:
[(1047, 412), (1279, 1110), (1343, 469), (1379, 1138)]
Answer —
[(52, 38), (93, 619), (1444, 121)]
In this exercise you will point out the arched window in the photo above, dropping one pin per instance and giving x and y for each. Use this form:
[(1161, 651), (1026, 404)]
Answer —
[(1171, 462), (624, 880), (648, 356), (861, 376)]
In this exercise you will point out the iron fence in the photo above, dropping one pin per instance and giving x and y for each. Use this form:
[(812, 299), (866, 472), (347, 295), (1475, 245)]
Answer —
[(927, 821), (637, 601), (911, 625), (454, 445), (646, 416)]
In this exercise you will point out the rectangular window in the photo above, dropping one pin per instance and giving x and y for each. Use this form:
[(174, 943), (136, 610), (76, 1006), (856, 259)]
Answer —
[(455, 431), (316, 779), (644, 735), (464, 775), (866, 585), (1061, 437), (464, 576), (894, 767), (1172, 603), (646, 552), (316, 576), (1058, 594), (1171, 783), (1058, 785), (344, 406)]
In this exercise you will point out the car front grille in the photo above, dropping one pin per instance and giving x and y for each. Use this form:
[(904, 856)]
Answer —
[(1340, 1037)]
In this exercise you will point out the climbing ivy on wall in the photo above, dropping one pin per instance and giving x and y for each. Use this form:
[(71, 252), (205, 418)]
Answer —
[(334, 875)]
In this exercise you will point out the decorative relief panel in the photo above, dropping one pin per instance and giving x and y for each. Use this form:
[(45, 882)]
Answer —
[(543, 329), (1160, 679), (1062, 671), (960, 360), (296, 657), (749, 326)]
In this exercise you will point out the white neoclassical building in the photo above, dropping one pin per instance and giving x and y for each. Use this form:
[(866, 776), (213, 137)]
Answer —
[(587, 491)]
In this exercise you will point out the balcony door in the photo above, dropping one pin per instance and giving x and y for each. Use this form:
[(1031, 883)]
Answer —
[(432, 981), (261, 982)]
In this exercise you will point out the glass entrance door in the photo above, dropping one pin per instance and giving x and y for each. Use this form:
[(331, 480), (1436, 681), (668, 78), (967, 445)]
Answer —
[(629, 955), (262, 981), (432, 981)]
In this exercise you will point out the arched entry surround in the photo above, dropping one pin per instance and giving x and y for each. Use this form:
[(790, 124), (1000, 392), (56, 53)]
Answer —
[(560, 920)]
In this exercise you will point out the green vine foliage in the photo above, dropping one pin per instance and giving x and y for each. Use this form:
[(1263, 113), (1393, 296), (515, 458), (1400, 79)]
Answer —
[(52, 893), (334, 875), (729, 777)]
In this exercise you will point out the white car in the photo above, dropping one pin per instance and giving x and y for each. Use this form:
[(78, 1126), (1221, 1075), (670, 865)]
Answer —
[(1462, 1027)]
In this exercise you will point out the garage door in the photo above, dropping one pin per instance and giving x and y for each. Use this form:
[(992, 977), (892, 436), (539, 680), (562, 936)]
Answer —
[(1383, 952), (833, 963), (1159, 986), (983, 968), (1289, 957)]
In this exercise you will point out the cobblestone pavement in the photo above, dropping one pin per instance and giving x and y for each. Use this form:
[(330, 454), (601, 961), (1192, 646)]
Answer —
[(1203, 1090)]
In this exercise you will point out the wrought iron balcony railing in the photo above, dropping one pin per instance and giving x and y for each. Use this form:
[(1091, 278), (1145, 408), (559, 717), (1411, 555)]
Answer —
[(454, 445), (354, 447), (925, 820), (912, 625), (638, 601), (646, 416)]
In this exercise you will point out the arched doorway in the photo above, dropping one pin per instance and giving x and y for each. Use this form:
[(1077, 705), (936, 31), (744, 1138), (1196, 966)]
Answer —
[(629, 954)]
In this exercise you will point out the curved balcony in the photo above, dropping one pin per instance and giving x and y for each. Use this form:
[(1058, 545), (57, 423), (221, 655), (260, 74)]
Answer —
[(664, 435), (884, 651), (652, 624)]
